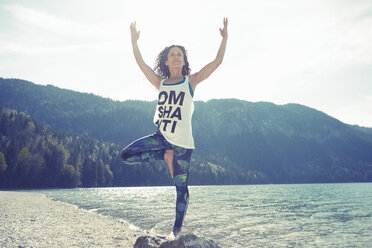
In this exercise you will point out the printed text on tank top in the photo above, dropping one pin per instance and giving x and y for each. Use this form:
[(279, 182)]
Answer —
[(174, 112)]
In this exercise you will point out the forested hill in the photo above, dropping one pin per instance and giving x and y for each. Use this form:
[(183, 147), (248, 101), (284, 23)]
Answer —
[(79, 112), (243, 141), (35, 156)]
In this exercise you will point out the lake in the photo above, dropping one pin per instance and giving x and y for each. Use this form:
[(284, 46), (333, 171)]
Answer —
[(293, 215)]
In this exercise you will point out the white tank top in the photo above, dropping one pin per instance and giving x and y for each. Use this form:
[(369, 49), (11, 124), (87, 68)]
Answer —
[(174, 112)]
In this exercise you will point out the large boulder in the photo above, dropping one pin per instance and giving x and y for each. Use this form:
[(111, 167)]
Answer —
[(183, 241)]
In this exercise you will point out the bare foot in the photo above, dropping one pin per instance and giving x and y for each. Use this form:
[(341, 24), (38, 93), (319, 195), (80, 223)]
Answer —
[(173, 235), (168, 157)]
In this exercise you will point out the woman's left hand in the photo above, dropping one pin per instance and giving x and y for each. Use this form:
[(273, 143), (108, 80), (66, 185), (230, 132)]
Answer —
[(224, 30)]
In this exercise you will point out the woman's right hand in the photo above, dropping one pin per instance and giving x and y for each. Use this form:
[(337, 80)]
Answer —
[(147, 70), (133, 32)]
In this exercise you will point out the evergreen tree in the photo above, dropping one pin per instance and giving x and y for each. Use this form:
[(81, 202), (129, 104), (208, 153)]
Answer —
[(3, 168), (3, 165)]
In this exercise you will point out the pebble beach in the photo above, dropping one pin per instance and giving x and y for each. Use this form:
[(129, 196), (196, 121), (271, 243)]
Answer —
[(32, 220)]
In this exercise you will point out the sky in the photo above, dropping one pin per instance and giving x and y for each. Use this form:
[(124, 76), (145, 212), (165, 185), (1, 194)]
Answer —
[(317, 53)]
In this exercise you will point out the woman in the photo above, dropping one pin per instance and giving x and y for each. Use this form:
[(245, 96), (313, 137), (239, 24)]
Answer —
[(173, 142)]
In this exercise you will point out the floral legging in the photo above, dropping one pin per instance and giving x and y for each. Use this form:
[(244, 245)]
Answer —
[(151, 148)]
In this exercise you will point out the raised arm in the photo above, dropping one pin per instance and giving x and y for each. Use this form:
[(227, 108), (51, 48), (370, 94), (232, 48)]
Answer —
[(207, 70), (149, 73)]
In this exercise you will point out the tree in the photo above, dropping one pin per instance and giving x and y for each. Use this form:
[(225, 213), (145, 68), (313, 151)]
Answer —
[(89, 173), (108, 175), (23, 154), (3, 165), (69, 178), (55, 158), (29, 169)]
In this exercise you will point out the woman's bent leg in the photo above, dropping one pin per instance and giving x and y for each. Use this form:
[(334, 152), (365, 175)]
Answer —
[(146, 149)]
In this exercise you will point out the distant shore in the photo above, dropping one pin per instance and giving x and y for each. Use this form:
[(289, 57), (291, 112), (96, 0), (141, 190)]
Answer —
[(32, 220)]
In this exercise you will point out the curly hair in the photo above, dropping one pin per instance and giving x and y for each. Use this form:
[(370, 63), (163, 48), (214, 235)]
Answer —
[(162, 70)]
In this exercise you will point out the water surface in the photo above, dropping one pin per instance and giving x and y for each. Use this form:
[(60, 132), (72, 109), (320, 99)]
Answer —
[(296, 215)]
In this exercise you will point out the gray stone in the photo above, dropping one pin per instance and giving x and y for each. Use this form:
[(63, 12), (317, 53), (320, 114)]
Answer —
[(184, 241), (148, 242)]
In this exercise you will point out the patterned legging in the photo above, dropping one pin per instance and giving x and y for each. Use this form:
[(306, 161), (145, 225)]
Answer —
[(153, 147)]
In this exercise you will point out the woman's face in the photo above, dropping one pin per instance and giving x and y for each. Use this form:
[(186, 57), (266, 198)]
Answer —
[(175, 58)]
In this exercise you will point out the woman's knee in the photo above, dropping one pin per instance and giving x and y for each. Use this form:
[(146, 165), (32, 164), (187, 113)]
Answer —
[(124, 155), (181, 180)]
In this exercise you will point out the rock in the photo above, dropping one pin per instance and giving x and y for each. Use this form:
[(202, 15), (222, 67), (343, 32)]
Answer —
[(184, 241), (148, 242)]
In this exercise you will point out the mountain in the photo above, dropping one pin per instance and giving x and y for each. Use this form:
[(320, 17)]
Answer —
[(78, 112), (289, 143), (237, 141)]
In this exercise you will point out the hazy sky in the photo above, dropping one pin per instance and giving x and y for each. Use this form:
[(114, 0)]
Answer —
[(313, 52)]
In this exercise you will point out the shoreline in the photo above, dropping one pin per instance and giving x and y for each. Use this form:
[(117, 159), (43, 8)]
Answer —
[(33, 220)]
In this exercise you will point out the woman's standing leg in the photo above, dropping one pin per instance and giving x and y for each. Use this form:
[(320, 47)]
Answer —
[(181, 166)]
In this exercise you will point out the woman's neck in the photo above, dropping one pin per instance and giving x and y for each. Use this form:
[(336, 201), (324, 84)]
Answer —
[(174, 79), (178, 77), (175, 74)]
